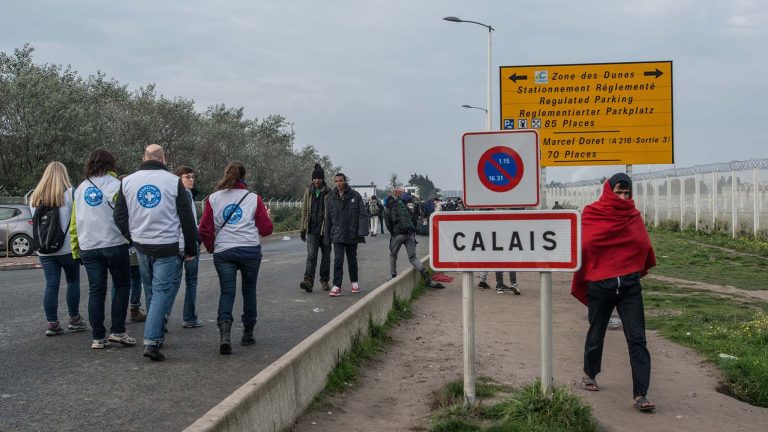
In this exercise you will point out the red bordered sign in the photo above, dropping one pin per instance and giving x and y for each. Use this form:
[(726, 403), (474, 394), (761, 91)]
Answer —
[(528, 240), (501, 169)]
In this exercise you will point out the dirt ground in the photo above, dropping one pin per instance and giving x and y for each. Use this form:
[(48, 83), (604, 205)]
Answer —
[(394, 391)]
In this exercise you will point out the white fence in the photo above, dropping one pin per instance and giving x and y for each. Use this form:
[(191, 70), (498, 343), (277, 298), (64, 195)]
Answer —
[(728, 197)]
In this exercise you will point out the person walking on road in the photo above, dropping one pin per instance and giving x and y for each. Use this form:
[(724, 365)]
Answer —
[(233, 221), (189, 267), (152, 208), (373, 210), (346, 225), (312, 221), (403, 214), (98, 242), (51, 202), (500, 287), (616, 253)]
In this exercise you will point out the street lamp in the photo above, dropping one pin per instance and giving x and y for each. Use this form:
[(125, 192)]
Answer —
[(488, 111), (469, 106)]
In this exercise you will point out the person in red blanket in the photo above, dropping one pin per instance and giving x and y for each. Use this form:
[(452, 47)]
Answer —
[(616, 253)]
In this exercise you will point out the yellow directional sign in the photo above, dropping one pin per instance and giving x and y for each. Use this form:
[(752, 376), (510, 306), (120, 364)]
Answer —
[(592, 114)]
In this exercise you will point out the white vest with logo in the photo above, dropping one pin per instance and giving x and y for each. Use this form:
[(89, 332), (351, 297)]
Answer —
[(241, 227), (93, 213), (150, 196)]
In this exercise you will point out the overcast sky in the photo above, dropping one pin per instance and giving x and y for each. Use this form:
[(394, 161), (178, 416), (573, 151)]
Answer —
[(378, 85)]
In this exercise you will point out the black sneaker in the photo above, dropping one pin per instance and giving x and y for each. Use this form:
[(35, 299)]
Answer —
[(54, 329), (483, 285), (153, 353), (515, 289), (436, 285)]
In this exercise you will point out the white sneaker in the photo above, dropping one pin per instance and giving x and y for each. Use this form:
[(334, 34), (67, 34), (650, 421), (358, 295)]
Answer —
[(355, 287), (100, 343), (335, 291), (122, 338)]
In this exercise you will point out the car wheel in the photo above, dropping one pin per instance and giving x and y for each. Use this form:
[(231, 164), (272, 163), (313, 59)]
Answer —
[(21, 245)]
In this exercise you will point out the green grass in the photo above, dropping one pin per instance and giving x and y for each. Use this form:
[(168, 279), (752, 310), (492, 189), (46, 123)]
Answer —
[(680, 254), (524, 409), (365, 348), (712, 325)]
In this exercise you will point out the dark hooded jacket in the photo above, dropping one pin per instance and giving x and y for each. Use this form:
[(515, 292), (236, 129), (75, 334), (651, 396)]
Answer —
[(403, 214), (346, 217)]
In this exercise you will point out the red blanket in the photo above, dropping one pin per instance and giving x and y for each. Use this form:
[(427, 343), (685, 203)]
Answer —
[(614, 242)]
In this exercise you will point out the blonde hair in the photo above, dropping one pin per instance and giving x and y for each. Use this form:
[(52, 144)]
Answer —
[(50, 190)]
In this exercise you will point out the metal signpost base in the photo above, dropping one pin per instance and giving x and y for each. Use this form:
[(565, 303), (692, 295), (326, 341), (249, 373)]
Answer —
[(468, 302), (547, 376)]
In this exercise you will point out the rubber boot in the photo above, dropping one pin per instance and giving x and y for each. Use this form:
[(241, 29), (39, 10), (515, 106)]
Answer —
[(248, 338), (225, 329)]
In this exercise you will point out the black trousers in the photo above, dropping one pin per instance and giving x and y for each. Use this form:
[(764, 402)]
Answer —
[(339, 249), (624, 294), (316, 242)]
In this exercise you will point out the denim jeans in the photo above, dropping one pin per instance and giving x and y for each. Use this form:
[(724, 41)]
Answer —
[(135, 297), (159, 276), (339, 249), (52, 266), (190, 293), (98, 262), (395, 243), (626, 296), (315, 242), (247, 259)]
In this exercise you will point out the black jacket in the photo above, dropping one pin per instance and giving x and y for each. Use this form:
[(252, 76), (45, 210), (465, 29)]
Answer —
[(346, 217)]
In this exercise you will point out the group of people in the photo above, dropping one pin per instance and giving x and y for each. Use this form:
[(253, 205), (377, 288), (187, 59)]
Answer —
[(151, 216), (340, 218)]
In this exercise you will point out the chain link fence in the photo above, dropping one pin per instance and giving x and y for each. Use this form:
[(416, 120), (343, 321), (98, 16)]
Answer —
[(727, 197)]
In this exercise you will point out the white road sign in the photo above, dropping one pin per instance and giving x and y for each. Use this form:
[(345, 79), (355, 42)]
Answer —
[(501, 169), (547, 240)]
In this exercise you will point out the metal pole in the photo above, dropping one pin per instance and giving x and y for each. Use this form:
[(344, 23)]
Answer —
[(547, 376), (682, 203), (655, 202), (733, 204), (755, 213), (714, 202), (543, 202), (468, 302), (488, 120)]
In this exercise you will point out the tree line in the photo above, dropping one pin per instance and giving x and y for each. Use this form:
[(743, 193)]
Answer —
[(49, 112)]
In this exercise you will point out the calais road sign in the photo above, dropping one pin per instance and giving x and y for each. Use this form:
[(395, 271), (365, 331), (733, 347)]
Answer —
[(501, 169), (593, 114), (548, 240)]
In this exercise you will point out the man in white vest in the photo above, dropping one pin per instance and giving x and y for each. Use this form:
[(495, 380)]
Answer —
[(152, 207)]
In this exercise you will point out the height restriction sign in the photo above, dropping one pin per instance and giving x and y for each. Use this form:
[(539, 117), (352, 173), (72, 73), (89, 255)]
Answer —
[(501, 169)]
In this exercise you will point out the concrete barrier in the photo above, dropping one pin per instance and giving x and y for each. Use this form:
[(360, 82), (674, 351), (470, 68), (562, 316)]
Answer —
[(273, 399)]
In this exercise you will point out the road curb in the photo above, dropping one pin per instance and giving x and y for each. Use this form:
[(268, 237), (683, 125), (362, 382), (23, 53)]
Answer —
[(274, 399)]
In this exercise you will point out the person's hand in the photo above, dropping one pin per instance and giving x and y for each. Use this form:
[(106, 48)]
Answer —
[(303, 236), (361, 239), (189, 257)]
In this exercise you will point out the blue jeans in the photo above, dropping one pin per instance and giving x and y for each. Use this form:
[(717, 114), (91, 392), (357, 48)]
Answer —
[(52, 266), (135, 298), (158, 275), (247, 259), (98, 262), (190, 293)]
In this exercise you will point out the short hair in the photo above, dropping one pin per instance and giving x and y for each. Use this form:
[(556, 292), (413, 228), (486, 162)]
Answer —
[(341, 175), (183, 169)]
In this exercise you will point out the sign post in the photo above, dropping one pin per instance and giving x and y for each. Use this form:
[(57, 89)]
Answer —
[(544, 241)]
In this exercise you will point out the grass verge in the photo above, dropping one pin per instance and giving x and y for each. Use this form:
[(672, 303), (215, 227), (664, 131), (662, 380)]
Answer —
[(365, 348), (686, 254), (713, 325), (523, 409)]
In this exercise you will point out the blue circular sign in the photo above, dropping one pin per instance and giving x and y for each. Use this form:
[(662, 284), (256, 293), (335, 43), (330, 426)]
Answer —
[(236, 216), (500, 169), (93, 196), (149, 196)]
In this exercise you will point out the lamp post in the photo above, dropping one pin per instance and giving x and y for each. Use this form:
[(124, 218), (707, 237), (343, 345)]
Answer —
[(488, 111), (478, 108)]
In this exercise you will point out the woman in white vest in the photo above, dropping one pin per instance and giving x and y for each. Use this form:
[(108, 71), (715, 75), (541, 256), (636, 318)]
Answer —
[(233, 219), (97, 241), (55, 190)]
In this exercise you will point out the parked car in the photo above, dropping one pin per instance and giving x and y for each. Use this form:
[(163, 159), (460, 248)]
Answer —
[(16, 229)]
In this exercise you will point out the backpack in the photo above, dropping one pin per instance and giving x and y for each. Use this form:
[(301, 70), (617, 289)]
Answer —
[(373, 208), (48, 237)]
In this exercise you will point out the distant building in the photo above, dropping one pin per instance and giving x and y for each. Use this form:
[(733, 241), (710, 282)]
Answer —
[(413, 190)]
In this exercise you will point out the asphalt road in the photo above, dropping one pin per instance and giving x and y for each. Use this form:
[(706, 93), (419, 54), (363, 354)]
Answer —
[(60, 383)]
